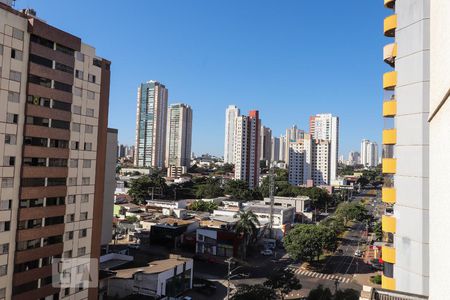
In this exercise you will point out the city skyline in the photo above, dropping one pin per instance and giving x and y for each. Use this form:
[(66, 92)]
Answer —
[(291, 72)]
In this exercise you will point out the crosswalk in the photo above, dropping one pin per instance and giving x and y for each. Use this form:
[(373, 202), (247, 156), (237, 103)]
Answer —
[(333, 277)]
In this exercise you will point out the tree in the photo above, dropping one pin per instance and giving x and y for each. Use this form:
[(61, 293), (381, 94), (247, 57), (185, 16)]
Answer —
[(210, 189), (308, 241), (283, 281), (377, 229), (351, 211), (203, 206), (246, 227), (132, 219), (347, 294), (320, 293), (253, 292), (334, 223), (141, 187), (238, 189)]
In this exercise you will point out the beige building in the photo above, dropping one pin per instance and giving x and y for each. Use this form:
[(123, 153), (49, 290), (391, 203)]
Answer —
[(300, 155), (179, 135), (53, 143)]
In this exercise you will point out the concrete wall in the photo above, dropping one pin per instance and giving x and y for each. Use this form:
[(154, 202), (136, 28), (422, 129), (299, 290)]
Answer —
[(110, 185)]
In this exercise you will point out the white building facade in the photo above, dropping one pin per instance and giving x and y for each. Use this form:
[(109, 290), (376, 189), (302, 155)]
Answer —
[(231, 115)]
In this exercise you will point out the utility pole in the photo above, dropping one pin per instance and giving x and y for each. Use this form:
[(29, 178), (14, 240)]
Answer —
[(228, 261)]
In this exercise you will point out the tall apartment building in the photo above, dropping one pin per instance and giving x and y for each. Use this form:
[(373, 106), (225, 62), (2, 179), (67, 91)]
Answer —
[(275, 153), (326, 127), (320, 162), (246, 143), (265, 148), (293, 134), (353, 158), (231, 115), (151, 125), (369, 153), (53, 142), (405, 163), (300, 158), (179, 135), (283, 145)]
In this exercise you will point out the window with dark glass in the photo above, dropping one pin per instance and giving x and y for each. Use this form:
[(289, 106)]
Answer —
[(61, 105), (33, 182), (63, 87), (54, 220), (60, 124), (34, 161), (39, 60), (54, 201), (16, 54), (63, 68), (41, 41), (27, 203), (38, 100), (59, 143), (37, 121), (97, 62), (91, 78), (64, 49), (40, 80), (57, 162), (56, 181)]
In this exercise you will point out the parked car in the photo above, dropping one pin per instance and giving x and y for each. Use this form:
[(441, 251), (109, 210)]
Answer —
[(267, 252), (358, 253)]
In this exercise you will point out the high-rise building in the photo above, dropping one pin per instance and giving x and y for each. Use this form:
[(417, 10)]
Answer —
[(293, 134), (275, 155), (326, 127), (246, 143), (179, 135), (151, 125), (54, 102), (369, 153), (265, 147), (320, 165), (231, 115), (300, 157), (353, 158), (283, 145), (122, 150), (406, 148)]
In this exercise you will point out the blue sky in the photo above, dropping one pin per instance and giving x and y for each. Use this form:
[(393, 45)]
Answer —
[(289, 59)]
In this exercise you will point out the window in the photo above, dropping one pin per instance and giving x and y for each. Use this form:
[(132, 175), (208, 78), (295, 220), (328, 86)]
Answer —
[(83, 216), (85, 198), (12, 118), (3, 293), (73, 163), (77, 91), (86, 181), (82, 233), (9, 161), (3, 270), (37, 121), (63, 87), (86, 163), (33, 182), (4, 249), (79, 56), (64, 49), (13, 97), (76, 109), (88, 146), (88, 128), (31, 203), (69, 235), (53, 201), (67, 254), (61, 105), (7, 182), (38, 100), (5, 226), (60, 124), (79, 74), (97, 62), (70, 218), (89, 112), (57, 162), (15, 76), (91, 78), (1, 49), (5, 204), (91, 95), (72, 181), (56, 181), (40, 80), (74, 145), (63, 68), (41, 41), (76, 127), (17, 34), (71, 199), (16, 54), (42, 61), (59, 143), (10, 139), (81, 251)]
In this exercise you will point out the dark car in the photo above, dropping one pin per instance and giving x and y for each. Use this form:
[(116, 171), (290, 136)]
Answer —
[(376, 265)]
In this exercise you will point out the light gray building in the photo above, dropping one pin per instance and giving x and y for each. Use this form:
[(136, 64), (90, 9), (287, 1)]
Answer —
[(179, 135)]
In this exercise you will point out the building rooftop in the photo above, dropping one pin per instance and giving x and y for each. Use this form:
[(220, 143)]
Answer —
[(176, 222), (153, 267), (265, 209)]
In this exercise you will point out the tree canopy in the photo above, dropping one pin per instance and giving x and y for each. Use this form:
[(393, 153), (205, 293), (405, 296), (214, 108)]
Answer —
[(209, 189), (238, 189), (321, 293), (254, 292), (141, 188), (207, 206), (351, 211), (283, 281)]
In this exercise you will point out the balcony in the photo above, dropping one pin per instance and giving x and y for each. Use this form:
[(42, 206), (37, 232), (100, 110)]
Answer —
[(390, 24), (389, 108), (388, 254), (389, 80), (33, 254), (388, 195), (388, 223), (389, 136), (389, 165), (387, 283), (46, 231), (389, 54)]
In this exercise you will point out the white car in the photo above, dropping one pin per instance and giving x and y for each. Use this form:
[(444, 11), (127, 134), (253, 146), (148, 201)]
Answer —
[(358, 253), (267, 252)]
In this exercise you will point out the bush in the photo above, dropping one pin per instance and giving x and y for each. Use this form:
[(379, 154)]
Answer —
[(376, 279)]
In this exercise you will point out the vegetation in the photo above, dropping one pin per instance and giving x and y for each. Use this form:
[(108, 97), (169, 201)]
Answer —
[(378, 231), (210, 189), (246, 226), (203, 206), (254, 292), (321, 293), (308, 241), (334, 223), (142, 187), (132, 219), (283, 281), (376, 279), (351, 211), (238, 189)]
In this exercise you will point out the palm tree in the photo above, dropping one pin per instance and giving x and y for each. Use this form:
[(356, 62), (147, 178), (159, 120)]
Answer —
[(246, 226)]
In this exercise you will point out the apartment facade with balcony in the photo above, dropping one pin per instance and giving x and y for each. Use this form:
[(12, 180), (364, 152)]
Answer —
[(53, 133)]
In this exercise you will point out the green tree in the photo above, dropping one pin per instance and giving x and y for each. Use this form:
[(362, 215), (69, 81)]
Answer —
[(132, 219), (246, 226), (351, 211), (253, 292), (334, 223), (141, 188), (283, 281), (308, 241), (347, 294), (320, 293), (377, 229), (203, 206)]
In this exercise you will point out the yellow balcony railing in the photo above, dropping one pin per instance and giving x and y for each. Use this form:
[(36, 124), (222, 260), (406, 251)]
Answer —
[(389, 136), (388, 195), (390, 53), (388, 254), (389, 80), (390, 24), (389, 108), (388, 223), (387, 283), (389, 165)]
